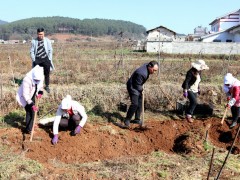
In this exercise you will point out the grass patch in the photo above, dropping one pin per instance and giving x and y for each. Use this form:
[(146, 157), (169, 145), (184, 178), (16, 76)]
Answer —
[(162, 174), (14, 166), (207, 146), (13, 119)]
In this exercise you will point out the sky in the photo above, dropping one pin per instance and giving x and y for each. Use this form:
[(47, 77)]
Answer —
[(179, 16)]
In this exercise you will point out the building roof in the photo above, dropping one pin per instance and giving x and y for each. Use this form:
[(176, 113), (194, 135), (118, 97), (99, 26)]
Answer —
[(217, 18), (212, 34), (227, 30), (161, 27), (232, 28)]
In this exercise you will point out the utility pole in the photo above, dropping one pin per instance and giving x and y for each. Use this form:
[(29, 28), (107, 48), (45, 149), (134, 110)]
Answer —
[(159, 54)]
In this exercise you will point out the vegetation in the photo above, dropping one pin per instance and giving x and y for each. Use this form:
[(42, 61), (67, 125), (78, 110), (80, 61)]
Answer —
[(26, 28), (95, 74), (2, 22)]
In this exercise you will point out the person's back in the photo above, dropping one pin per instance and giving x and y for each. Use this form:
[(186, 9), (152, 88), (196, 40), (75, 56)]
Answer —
[(138, 78)]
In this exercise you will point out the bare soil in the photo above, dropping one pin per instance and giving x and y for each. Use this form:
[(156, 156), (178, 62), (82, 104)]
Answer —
[(98, 142)]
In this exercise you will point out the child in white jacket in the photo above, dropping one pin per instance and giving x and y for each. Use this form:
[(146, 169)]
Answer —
[(69, 112)]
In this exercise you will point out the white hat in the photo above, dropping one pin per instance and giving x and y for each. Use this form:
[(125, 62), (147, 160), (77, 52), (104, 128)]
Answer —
[(200, 65), (66, 102), (37, 73), (229, 79)]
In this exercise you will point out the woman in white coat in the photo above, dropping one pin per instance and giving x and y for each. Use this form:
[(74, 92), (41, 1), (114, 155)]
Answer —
[(31, 87), (70, 114)]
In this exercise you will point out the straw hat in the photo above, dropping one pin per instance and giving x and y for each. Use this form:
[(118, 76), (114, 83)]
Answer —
[(200, 65)]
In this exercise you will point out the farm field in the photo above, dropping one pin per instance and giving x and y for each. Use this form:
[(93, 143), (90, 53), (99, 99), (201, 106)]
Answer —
[(95, 73)]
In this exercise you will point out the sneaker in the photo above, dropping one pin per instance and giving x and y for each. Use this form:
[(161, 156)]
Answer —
[(47, 89), (189, 118), (127, 123), (234, 123)]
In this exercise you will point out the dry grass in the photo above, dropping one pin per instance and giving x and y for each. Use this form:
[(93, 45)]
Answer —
[(94, 75), (13, 166), (96, 72)]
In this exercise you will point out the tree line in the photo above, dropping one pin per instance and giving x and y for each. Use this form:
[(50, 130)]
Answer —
[(26, 28)]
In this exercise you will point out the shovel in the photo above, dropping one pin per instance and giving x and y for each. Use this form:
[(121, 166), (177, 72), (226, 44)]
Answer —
[(225, 113), (34, 120), (143, 126)]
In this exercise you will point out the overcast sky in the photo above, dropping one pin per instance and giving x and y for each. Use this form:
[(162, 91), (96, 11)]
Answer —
[(179, 16)]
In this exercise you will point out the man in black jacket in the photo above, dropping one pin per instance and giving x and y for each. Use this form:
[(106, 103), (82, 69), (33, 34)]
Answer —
[(135, 89)]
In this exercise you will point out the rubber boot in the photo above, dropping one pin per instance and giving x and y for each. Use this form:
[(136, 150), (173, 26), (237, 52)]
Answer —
[(234, 123)]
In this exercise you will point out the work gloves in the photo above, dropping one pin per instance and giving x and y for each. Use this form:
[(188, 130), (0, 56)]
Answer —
[(34, 108), (185, 94), (40, 93), (76, 131), (39, 96), (230, 103), (55, 139)]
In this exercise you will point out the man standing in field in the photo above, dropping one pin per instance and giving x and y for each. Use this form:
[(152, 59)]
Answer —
[(135, 90), (41, 54)]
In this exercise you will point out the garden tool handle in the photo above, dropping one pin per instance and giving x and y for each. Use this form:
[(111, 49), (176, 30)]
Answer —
[(225, 113), (34, 120)]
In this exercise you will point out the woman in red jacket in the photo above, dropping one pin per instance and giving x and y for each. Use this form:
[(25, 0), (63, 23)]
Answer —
[(232, 89)]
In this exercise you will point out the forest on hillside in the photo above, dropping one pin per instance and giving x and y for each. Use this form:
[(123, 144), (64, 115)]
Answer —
[(26, 28)]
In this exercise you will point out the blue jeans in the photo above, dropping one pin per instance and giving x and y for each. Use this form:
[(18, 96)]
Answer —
[(193, 102)]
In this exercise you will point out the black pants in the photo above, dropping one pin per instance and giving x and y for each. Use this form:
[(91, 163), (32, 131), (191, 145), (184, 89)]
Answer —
[(46, 64), (193, 102), (235, 113), (72, 122), (29, 117), (135, 107)]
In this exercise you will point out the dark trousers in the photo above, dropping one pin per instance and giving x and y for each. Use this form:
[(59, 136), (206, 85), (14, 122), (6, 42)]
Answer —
[(29, 117), (235, 113), (193, 102), (46, 64), (72, 122), (135, 107)]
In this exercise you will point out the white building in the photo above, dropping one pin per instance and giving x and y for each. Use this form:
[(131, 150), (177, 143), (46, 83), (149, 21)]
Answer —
[(226, 21), (224, 28), (157, 36)]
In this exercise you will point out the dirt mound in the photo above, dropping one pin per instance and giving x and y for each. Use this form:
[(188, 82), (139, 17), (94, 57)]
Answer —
[(98, 142)]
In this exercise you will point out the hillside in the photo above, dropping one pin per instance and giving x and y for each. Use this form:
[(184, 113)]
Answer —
[(26, 28), (3, 22)]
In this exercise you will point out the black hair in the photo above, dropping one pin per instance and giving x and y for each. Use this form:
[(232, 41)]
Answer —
[(40, 30), (152, 63)]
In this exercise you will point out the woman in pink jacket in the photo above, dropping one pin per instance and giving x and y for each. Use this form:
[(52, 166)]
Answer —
[(232, 89), (70, 114), (31, 87)]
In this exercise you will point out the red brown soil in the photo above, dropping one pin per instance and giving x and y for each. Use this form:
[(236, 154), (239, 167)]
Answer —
[(94, 143)]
